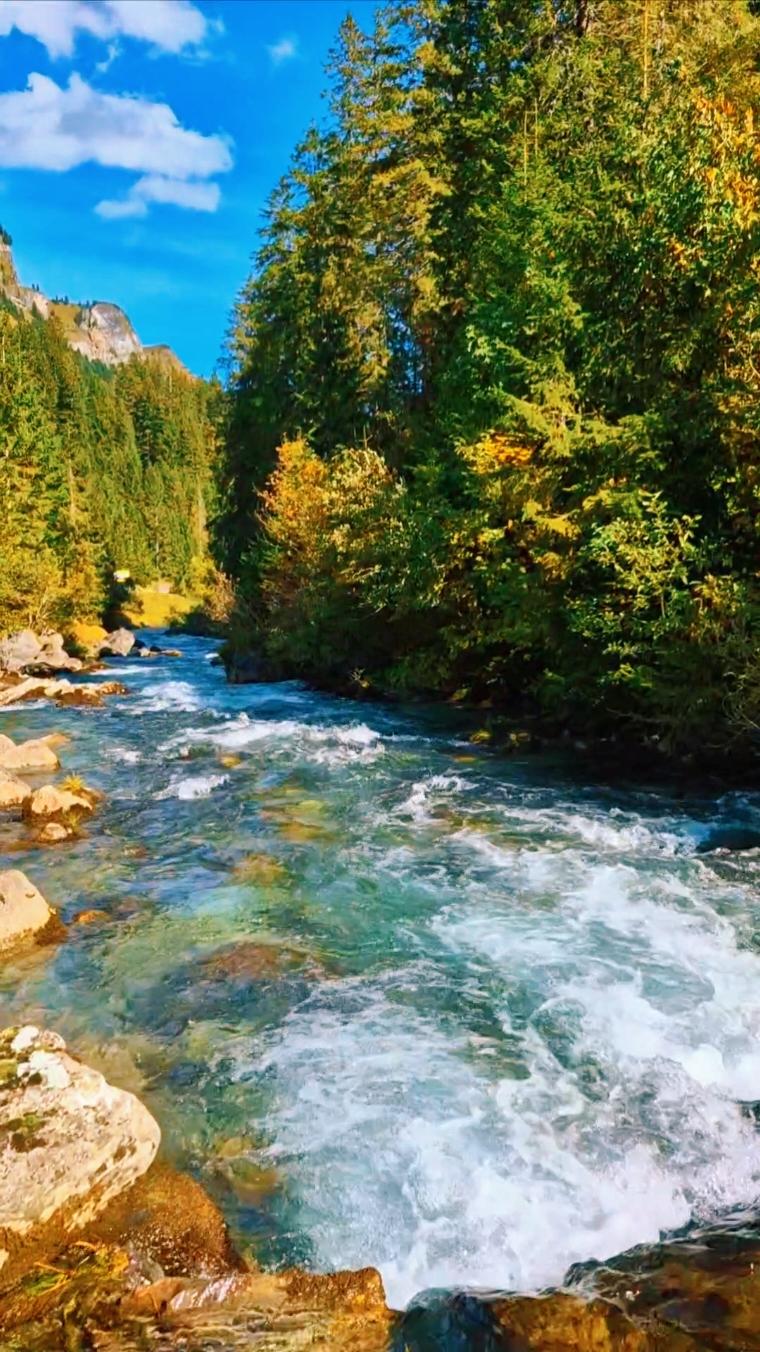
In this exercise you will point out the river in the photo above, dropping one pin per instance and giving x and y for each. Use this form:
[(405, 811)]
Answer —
[(393, 999)]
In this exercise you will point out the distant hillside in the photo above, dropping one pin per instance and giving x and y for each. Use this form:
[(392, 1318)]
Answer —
[(100, 331)]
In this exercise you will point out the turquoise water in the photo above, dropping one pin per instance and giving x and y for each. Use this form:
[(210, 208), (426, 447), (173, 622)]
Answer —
[(394, 1000)]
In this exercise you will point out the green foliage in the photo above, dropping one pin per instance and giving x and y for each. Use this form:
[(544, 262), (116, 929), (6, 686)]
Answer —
[(99, 470), (519, 270)]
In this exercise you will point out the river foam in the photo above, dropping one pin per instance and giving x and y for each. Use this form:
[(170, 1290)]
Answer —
[(517, 1018)]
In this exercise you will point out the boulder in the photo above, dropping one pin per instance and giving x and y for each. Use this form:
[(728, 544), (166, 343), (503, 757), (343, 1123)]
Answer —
[(35, 754), (18, 650), (52, 660), (168, 1218), (53, 655), (13, 792), (24, 913), (57, 802), (71, 1144), (565, 1320), (33, 687), (118, 644), (89, 695)]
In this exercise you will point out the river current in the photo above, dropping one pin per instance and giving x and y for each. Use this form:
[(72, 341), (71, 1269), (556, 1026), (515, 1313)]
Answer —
[(394, 1000)]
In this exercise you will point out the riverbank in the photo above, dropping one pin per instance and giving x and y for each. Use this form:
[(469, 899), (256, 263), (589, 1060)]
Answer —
[(394, 1001), (518, 727)]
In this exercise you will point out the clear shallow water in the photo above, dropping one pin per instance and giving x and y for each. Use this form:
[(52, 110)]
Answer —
[(475, 1020)]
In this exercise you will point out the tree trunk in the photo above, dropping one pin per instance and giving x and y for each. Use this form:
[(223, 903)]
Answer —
[(582, 17)]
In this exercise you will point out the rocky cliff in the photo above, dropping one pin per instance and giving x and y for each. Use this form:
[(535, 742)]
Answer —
[(100, 331)]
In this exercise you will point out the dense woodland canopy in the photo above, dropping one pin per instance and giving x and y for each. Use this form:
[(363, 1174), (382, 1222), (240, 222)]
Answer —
[(494, 379), (99, 470)]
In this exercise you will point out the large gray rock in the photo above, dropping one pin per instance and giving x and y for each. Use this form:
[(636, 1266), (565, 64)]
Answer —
[(118, 644), (53, 656), (71, 1141), (24, 913), (18, 650)]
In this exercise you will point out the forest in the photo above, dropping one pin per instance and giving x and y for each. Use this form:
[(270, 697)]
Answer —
[(489, 424), (100, 470), (493, 381)]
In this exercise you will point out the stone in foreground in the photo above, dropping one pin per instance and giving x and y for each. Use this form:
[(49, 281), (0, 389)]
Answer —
[(71, 1142), (24, 913)]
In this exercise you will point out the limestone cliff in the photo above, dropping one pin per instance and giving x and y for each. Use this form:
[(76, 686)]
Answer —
[(101, 331)]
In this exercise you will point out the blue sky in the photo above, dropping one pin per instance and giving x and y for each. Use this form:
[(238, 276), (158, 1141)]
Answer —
[(139, 141)]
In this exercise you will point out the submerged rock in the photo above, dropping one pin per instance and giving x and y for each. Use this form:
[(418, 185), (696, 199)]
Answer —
[(734, 838), (54, 832), (24, 913), (248, 961), (72, 1142)]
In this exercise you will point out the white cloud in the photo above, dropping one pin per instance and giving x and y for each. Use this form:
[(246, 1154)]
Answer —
[(283, 50), (47, 126), (193, 196), (168, 25)]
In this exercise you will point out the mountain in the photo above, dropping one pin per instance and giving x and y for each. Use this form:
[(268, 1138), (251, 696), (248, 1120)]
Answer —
[(100, 331)]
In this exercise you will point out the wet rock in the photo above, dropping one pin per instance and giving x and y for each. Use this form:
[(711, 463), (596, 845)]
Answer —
[(91, 917), (562, 1321), (700, 1291), (262, 869), (171, 1221), (734, 838), (118, 644), (89, 694), (248, 961), (244, 668), (250, 1181), (36, 754), (342, 1312), (71, 1144), (63, 691), (13, 792), (24, 913)]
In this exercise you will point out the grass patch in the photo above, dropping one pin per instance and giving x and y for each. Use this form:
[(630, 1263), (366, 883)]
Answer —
[(155, 610)]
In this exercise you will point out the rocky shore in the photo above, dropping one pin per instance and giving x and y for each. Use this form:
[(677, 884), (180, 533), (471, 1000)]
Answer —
[(104, 1245)]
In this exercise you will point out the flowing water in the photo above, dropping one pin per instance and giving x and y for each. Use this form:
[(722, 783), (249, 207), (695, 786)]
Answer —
[(394, 1000)]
